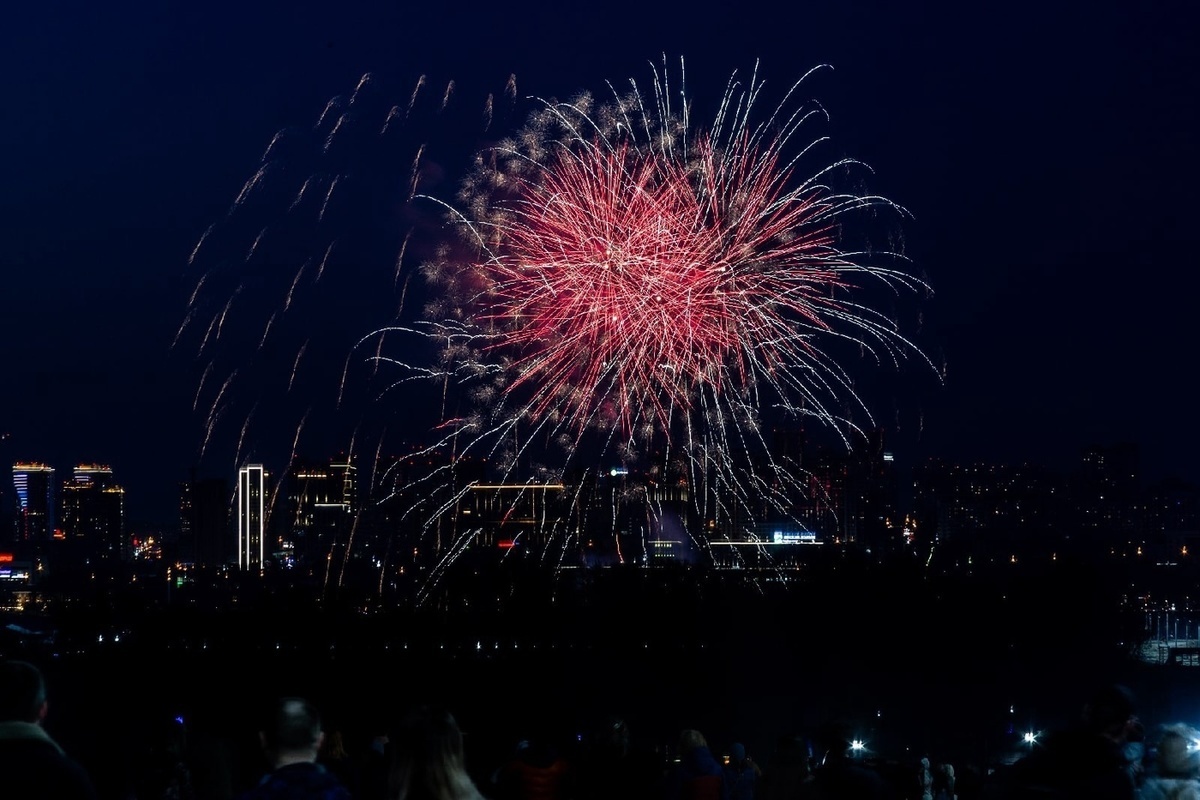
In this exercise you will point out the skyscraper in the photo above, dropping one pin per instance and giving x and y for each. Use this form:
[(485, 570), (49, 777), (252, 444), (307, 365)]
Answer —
[(34, 484), (93, 518), (251, 516), (204, 506), (322, 501)]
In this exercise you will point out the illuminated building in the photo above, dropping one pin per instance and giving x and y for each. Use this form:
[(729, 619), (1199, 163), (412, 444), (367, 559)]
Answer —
[(35, 523), (512, 514), (251, 516), (93, 514), (322, 501)]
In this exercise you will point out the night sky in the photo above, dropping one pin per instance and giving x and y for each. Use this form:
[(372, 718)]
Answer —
[(1045, 151)]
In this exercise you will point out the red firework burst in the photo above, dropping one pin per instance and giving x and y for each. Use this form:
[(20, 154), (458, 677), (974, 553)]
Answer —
[(632, 280)]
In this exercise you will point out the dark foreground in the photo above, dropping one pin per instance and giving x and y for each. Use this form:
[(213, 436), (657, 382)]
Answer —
[(955, 670)]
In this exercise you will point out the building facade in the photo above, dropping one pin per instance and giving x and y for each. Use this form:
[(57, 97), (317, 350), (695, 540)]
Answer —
[(251, 516)]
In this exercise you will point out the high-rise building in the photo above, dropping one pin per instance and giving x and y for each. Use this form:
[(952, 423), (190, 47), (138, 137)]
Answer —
[(251, 516), (93, 514), (204, 539), (322, 501), (35, 523), (516, 514)]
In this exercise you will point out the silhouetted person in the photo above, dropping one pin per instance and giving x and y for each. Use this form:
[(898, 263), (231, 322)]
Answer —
[(536, 771), (943, 782), (837, 776), (1175, 772), (334, 756), (741, 774), (163, 771), (924, 780), (291, 740), (1085, 760), (427, 761), (698, 775), (32, 765), (787, 770), (611, 767)]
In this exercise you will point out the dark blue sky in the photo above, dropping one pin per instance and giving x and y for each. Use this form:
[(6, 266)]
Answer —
[(1046, 152)]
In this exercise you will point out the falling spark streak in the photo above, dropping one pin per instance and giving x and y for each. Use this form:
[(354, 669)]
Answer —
[(415, 174), (196, 250), (362, 82), (333, 103), (225, 312), (393, 114), (413, 98), (212, 324), (296, 365), (237, 458), (342, 383), (279, 484), (646, 285), (182, 327), (251, 184), (399, 268), (287, 301), (266, 330), (325, 205), (214, 413), (257, 240), (337, 127), (324, 260), (309, 181), (446, 96), (274, 140), (200, 387)]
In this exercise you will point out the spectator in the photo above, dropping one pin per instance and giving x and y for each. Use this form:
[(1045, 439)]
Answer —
[(612, 766), (536, 771), (32, 765), (839, 777), (1085, 760), (741, 774), (291, 741), (924, 781), (697, 775), (427, 760), (787, 770), (1175, 774), (943, 782)]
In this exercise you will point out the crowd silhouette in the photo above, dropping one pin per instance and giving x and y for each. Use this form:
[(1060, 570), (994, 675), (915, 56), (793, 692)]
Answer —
[(297, 753)]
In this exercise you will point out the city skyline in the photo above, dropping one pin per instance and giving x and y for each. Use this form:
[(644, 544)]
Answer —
[(165, 510), (1025, 153)]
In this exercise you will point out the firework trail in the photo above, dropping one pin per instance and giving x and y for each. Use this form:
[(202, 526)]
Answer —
[(306, 259), (632, 288)]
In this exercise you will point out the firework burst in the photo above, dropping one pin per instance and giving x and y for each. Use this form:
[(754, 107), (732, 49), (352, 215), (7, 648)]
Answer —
[(632, 286)]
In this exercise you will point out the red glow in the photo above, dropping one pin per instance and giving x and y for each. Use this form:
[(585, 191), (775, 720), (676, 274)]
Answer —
[(506, 544), (629, 278), (631, 272)]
